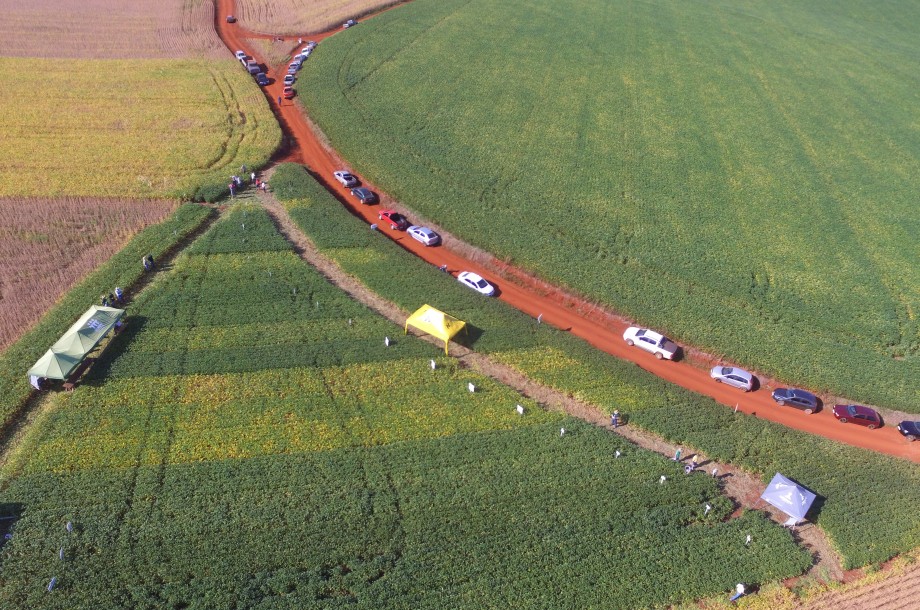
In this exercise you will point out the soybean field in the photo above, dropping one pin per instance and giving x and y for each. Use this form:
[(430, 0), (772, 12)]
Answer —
[(854, 486), (739, 175), (250, 441)]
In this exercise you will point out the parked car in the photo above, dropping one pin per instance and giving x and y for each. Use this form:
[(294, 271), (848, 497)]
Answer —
[(287, 93), (305, 52), (349, 23), (800, 399), (424, 235), (311, 44), (345, 178), (394, 219), (292, 69), (231, 19), (733, 376), (289, 79), (650, 341), (856, 414), (910, 429), (253, 67), (364, 195), (241, 55), (474, 281), (262, 79)]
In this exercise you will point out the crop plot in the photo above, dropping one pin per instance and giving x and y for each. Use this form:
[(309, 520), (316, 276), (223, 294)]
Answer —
[(709, 171), (302, 16), (48, 245), (103, 29), (130, 128), (355, 475), (857, 485)]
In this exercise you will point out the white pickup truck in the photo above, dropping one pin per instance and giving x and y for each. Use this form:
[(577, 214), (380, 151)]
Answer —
[(651, 341)]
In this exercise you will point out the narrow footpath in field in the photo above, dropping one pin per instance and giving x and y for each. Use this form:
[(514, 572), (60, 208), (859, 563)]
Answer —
[(600, 328)]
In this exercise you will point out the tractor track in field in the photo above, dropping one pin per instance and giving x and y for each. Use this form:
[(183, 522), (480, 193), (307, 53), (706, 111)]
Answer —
[(599, 327)]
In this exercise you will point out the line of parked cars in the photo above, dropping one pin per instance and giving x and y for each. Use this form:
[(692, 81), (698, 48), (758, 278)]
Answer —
[(663, 348)]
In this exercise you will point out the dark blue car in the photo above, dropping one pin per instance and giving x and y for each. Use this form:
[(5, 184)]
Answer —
[(910, 429), (800, 399)]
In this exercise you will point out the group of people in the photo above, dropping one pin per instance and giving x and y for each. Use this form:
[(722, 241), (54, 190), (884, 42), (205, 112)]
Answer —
[(117, 296), (237, 183)]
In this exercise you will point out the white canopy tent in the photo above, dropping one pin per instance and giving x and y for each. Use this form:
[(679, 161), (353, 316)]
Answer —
[(788, 496)]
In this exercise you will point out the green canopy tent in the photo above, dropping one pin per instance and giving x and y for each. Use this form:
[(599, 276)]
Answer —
[(88, 331), (54, 365), (79, 340)]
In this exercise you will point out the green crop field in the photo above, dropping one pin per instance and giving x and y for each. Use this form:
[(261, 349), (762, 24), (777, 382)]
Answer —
[(740, 175), (855, 486), (138, 128), (248, 441)]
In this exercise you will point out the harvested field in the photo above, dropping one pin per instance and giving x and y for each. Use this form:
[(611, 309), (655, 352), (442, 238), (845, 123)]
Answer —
[(48, 245), (302, 16), (271, 52), (104, 29), (129, 128)]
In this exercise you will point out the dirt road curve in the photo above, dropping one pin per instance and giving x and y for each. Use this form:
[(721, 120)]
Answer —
[(536, 299)]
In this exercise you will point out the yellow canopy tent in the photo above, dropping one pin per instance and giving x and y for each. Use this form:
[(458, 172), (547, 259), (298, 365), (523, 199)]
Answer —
[(435, 322)]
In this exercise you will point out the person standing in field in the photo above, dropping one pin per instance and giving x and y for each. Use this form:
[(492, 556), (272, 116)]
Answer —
[(615, 419), (119, 294), (252, 177), (677, 455)]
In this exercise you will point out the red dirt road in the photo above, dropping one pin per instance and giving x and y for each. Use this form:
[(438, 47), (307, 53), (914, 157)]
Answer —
[(536, 298)]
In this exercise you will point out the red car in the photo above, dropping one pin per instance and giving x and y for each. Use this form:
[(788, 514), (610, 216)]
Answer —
[(396, 220), (864, 416), (288, 93)]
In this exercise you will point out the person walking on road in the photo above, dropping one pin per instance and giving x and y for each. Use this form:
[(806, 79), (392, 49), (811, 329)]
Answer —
[(615, 419), (279, 100)]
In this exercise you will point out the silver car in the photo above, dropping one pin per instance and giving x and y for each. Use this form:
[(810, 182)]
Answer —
[(424, 235), (735, 377)]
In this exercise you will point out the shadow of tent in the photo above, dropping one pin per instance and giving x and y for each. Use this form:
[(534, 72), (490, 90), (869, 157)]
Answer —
[(469, 336), (9, 515), (134, 325)]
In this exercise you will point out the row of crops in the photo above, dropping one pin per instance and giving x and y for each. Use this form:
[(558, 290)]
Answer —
[(249, 441), (856, 486), (738, 176)]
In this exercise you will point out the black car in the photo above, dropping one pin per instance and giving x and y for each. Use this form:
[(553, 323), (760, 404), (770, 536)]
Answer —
[(262, 79), (364, 195), (910, 429), (800, 399), (231, 19)]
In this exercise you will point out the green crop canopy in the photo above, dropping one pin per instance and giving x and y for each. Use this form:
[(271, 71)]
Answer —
[(85, 334)]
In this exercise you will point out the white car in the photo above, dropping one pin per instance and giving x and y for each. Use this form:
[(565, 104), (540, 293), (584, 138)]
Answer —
[(349, 23), (424, 235), (474, 281), (289, 79), (650, 341), (241, 55), (305, 52), (345, 178)]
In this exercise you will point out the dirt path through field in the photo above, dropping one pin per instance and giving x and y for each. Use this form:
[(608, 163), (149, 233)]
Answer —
[(600, 328)]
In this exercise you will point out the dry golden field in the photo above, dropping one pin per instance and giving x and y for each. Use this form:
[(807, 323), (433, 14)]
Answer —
[(107, 29), (48, 245), (302, 16), (129, 128)]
